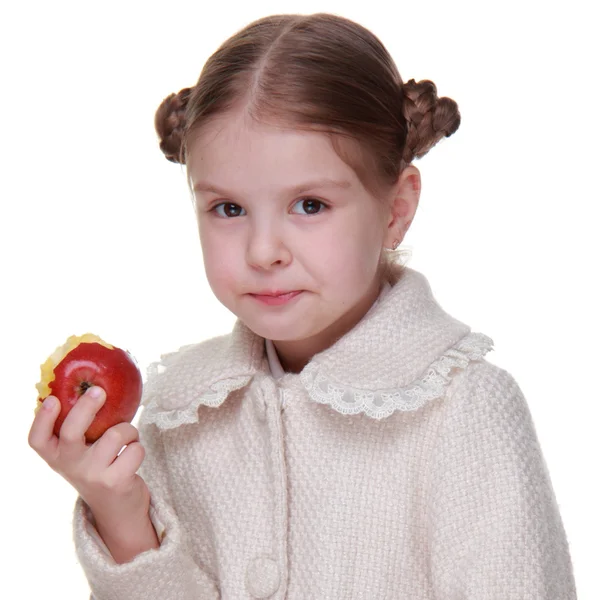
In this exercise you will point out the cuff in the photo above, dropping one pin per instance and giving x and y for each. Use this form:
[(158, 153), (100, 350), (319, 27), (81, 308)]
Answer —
[(164, 573), (83, 512)]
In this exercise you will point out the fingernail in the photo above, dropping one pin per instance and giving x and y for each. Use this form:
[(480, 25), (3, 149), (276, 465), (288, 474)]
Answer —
[(95, 392), (49, 403)]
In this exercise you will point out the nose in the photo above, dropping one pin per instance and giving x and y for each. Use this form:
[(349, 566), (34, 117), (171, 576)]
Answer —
[(266, 247)]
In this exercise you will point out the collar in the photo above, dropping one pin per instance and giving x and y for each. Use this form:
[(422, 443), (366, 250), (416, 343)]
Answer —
[(400, 356), (275, 366), (274, 362)]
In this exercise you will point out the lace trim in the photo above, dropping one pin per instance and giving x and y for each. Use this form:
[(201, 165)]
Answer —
[(213, 397), (381, 403), (159, 366), (345, 399)]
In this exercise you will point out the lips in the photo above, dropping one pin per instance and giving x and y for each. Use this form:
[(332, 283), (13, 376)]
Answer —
[(276, 298), (274, 293)]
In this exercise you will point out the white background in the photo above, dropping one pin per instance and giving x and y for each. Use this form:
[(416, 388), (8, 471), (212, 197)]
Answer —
[(97, 230)]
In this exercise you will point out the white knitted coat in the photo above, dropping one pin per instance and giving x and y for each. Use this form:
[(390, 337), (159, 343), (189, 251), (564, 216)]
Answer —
[(399, 464)]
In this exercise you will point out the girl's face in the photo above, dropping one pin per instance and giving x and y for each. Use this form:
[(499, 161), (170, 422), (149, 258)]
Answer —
[(279, 211)]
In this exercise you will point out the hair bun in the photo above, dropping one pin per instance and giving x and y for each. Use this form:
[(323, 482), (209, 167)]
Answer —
[(429, 118), (169, 122)]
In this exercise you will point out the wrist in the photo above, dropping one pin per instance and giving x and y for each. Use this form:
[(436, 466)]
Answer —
[(109, 518), (127, 538), (117, 512)]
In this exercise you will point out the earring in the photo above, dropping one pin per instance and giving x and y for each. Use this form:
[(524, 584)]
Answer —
[(395, 244)]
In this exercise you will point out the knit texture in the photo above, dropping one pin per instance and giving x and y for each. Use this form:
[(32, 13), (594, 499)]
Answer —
[(399, 463)]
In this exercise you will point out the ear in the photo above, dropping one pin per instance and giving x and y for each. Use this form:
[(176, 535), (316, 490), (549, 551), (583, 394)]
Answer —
[(403, 200)]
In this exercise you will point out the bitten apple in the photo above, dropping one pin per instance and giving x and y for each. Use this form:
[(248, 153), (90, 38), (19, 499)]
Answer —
[(82, 362)]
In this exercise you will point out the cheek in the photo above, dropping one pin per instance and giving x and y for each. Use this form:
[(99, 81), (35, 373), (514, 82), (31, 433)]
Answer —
[(351, 250), (219, 261)]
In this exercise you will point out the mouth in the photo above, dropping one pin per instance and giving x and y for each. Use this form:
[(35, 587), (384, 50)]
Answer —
[(276, 297), (275, 293)]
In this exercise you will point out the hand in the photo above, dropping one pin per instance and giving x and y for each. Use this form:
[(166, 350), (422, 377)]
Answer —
[(106, 480)]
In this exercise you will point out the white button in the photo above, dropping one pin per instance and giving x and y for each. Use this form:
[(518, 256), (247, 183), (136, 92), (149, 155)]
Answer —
[(262, 577)]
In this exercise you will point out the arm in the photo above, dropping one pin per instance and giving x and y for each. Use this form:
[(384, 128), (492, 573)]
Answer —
[(495, 528), (166, 572), (125, 540)]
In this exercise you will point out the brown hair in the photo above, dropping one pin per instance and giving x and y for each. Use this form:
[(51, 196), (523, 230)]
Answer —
[(318, 72)]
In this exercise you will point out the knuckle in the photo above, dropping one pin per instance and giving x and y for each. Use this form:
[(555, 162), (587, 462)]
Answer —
[(108, 482), (102, 480), (139, 454), (70, 435), (34, 438), (132, 432), (33, 441), (123, 432), (136, 447), (36, 445), (128, 427), (113, 435), (142, 452)]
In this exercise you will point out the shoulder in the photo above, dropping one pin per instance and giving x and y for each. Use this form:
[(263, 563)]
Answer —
[(192, 367), (197, 374), (483, 375), (483, 382), (485, 401), (188, 362)]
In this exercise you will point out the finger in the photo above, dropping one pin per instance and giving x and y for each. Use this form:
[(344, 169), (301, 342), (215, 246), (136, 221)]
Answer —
[(127, 463), (108, 446), (41, 436), (77, 422)]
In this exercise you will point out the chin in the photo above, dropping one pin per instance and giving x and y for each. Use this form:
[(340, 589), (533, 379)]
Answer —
[(280, 332)]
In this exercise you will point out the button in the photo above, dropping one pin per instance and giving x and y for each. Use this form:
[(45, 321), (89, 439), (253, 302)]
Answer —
[(262, 577)]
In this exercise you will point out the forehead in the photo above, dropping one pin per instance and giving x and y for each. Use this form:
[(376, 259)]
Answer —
[(236, 148)]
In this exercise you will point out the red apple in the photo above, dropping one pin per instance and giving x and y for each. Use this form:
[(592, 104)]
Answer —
[(85, 361)]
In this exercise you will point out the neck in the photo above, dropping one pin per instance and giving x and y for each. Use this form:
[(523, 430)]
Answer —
[(294, 355)]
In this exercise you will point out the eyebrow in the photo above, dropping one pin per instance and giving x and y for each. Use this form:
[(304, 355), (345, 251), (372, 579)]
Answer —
[(206, 186)]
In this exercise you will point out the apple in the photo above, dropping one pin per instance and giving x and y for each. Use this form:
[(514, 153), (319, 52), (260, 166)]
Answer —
[(82, 362)]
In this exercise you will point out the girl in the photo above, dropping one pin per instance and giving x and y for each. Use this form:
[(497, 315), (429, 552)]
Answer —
[(348, 439)]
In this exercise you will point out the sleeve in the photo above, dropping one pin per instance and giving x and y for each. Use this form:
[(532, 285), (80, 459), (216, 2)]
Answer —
[(166, 573), (494, 526)]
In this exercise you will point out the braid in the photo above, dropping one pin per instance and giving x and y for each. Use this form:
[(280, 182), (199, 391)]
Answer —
[(428, 117), (169, 122)]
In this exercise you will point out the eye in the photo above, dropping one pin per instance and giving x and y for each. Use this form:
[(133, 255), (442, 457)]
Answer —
[(311, 205), (229, 210)]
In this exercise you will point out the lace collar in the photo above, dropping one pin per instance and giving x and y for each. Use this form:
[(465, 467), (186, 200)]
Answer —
[(398, 357)]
